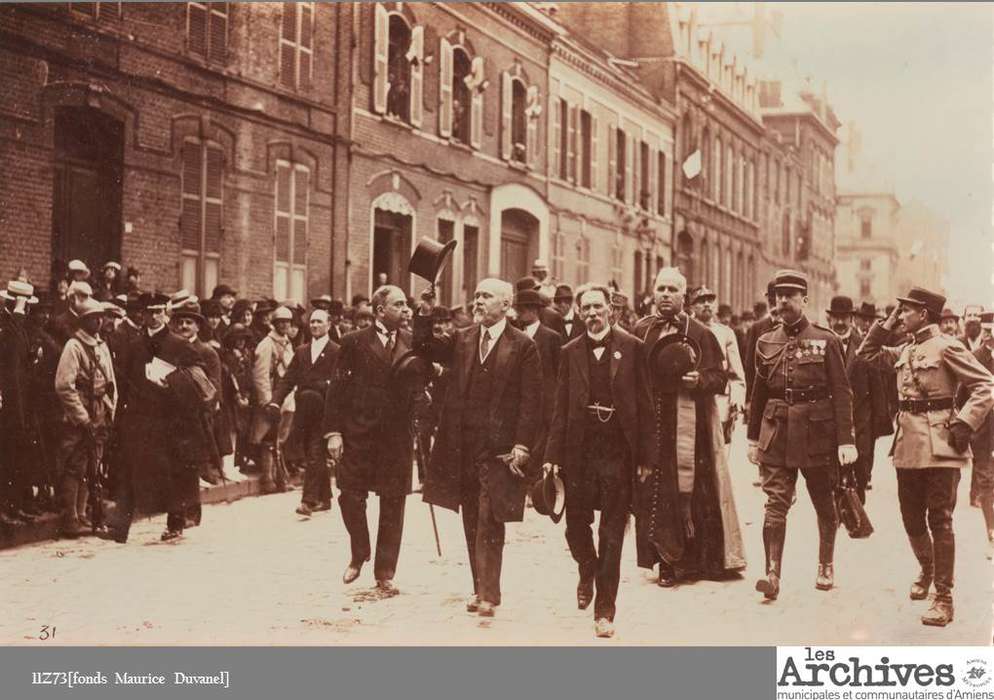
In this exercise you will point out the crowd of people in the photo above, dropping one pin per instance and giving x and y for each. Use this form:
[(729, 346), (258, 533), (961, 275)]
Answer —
[(532, 393)]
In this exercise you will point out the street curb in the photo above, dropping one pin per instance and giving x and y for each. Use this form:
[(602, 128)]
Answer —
[(48, 525)]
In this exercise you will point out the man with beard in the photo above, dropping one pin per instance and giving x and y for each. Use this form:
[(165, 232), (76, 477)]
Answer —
[(800, 421), (949, 323), (971, 327), (871, 418), (367, 424), (491, 416), (933, 436), (733, 399), (603, 438), (310, 374), (84, 382), (687, 521)]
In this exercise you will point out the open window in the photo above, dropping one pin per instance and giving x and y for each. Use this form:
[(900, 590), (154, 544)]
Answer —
[(398, 46), (297, 45), (520, 111)]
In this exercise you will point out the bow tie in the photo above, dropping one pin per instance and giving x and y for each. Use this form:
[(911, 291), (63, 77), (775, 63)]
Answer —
[(602, 343)]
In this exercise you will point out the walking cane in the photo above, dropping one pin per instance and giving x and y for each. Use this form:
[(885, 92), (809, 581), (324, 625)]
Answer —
[(422, 462)]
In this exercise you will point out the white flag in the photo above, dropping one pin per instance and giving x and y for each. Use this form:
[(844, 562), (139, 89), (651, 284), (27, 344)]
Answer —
[(692, 166)]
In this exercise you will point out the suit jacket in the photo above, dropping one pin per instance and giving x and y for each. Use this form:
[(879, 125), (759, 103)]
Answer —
[(373, 413), (756, 330), (515, 416), (982, 443), (631, 395), (549, 344), (551, 318), (311, 380), (576, 330), (871, 417)]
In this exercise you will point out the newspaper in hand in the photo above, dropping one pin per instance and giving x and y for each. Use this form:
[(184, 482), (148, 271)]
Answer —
[(157, 370)]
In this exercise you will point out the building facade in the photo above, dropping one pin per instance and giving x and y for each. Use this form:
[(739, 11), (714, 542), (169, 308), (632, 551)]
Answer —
[(868, 251), (197, 142)]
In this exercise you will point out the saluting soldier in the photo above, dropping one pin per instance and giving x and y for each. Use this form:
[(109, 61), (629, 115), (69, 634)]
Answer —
[(932, 442), (800, 421)]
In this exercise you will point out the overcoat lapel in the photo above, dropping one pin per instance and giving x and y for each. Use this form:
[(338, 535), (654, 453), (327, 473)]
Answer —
[(502, 363), (581, 367), (469, 346), (373, 341)]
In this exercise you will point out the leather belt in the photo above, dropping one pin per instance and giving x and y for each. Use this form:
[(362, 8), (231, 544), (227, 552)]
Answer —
[(792, 396), (925, 405)]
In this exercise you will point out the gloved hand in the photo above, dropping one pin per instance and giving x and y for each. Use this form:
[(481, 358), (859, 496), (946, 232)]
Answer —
[(753, 454), (335, 447), (687, 514), (273, 410), (959, 435), (848, 454)]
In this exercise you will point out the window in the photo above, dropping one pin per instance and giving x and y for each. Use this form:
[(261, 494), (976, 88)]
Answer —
[(621, 141), (718, 188), (292, 206), (297, 45), (207, 30), (706, 160), (462, 81), (92, 9), (776, 188), (582, 260), (559, 256), (520, 109), (661, 185), (865, 289), (201, 215), (564, 140), (729, 195), (645, 165), (866, 265), (639, 276), (586, 149), (519, 121), (785, 235), (398, 68), (736, 166), (866, 224), (446, 233), (787, 184), (471, 242)]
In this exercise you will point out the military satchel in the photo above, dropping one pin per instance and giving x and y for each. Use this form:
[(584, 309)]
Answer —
[(851, 510)]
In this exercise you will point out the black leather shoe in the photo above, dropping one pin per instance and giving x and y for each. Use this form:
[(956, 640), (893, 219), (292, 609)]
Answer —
[(473, 603), (769, 586), (584, 593), (326, 505), (352, 572), (304, 509), (826, 577), (171, 535), (110, 534), (666, 579), (386, 587)]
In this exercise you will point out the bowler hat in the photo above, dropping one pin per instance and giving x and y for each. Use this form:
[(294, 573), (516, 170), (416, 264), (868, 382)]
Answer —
[(549, 496), (526, 283), (188, 308), (236, 331), (919, 296), (527, 297), (264, 306), (866, 310), (409, 367), (564, 292), (790, 280), (429, 258), (840, 306), (222, 290), (748, 316), (322, 302), (948, 313)]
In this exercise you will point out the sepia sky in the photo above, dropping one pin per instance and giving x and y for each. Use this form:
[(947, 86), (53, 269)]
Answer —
[(917, 79)]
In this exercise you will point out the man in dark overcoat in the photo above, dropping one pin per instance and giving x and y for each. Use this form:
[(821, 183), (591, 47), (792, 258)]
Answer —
[(603, 438), (309, 375), (368, 427), (982, 443), (491, 417), (528, 303)]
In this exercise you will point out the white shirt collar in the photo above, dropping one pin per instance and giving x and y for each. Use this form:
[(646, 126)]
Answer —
[(571, 316), (599, 336), (532, 328), (383, 330), (495, 331), (318, 346)]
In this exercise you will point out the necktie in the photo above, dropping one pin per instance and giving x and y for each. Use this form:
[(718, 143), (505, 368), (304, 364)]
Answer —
[(484, 345), (389, 345)]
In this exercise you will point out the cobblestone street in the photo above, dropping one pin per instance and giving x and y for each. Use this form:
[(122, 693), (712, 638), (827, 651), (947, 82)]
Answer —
[(256, 573)]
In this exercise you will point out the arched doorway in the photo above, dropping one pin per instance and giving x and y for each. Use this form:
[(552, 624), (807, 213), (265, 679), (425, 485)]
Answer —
[(393, 227), (519, 233), (685, 257), (87, 190)]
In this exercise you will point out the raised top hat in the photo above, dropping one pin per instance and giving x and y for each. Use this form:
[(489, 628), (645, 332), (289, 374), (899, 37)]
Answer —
[(866, 310), (19, 290), (283, 313), (111, 264), (90, 307), (153, 301), (564, 292), (440, 313), (919, 296), (429, 258), (223, 290), (702, 294), (841, 305), (548, 496), (80, 287), (948, 313), (790, 279), (78, 266), (528, 297)]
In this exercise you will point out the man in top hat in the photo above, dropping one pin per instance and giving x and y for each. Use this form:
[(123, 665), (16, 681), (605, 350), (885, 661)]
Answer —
[(273, 355), (310, 374), (971, 327), (85, 385), (933, 435), (16, 452), (871, 419), (864, 316), (490, 422), (603, 438), (546, 286), (687, 521), (368, 418), (527, 304), (800, 421), (572, 325), (949, 322), (730, 402), (64, 325), (982, 444)]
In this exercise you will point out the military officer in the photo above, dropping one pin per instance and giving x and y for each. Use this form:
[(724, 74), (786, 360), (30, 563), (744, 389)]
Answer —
[(932, 442), (801, 421)]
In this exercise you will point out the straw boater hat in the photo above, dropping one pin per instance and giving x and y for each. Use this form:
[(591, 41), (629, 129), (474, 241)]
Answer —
[(17, 290)]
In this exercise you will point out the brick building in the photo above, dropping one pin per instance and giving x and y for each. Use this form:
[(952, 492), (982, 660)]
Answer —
[(197, 142)]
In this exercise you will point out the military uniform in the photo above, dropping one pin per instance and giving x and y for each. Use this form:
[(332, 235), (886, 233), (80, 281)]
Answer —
[(932, 440), (801, 413)]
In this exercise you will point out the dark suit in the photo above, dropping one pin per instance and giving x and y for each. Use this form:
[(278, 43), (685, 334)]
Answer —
[(489, 408), (374, 417), (575, 329), (599, 457), (549, 344), (871, 418), (551, 318), (311, 381)]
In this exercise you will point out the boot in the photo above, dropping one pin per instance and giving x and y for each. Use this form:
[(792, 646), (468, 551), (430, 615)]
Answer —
[(987, 505), (921, 545), (940, 613), (69, 496), (266, 467), (773, 538), (82, 498), (825, 579)]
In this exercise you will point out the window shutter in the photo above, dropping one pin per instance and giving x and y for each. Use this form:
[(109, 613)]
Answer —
[(593, 152), (190, 218), (417, 74), (306, 44), (196, 17), (476, 118), (219, 32), (381, 45), (661, 184), (531, 148), (651, 186), (505, 115), (637, 183), (283, 213), (445, 88), (612, 160), (288, 54), (556, 129), (629, 171), (213, 200), (301, 193), (572, 112)]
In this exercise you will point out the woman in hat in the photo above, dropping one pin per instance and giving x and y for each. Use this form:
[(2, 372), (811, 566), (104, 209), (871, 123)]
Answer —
[(109, 285), (241, 313), (237, 359)]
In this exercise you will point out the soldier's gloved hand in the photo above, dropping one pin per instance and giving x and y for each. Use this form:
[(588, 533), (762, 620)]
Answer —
[(335, 447), (848, 454), (687, 514), (643, 472), (753, 454), (959, 435)]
